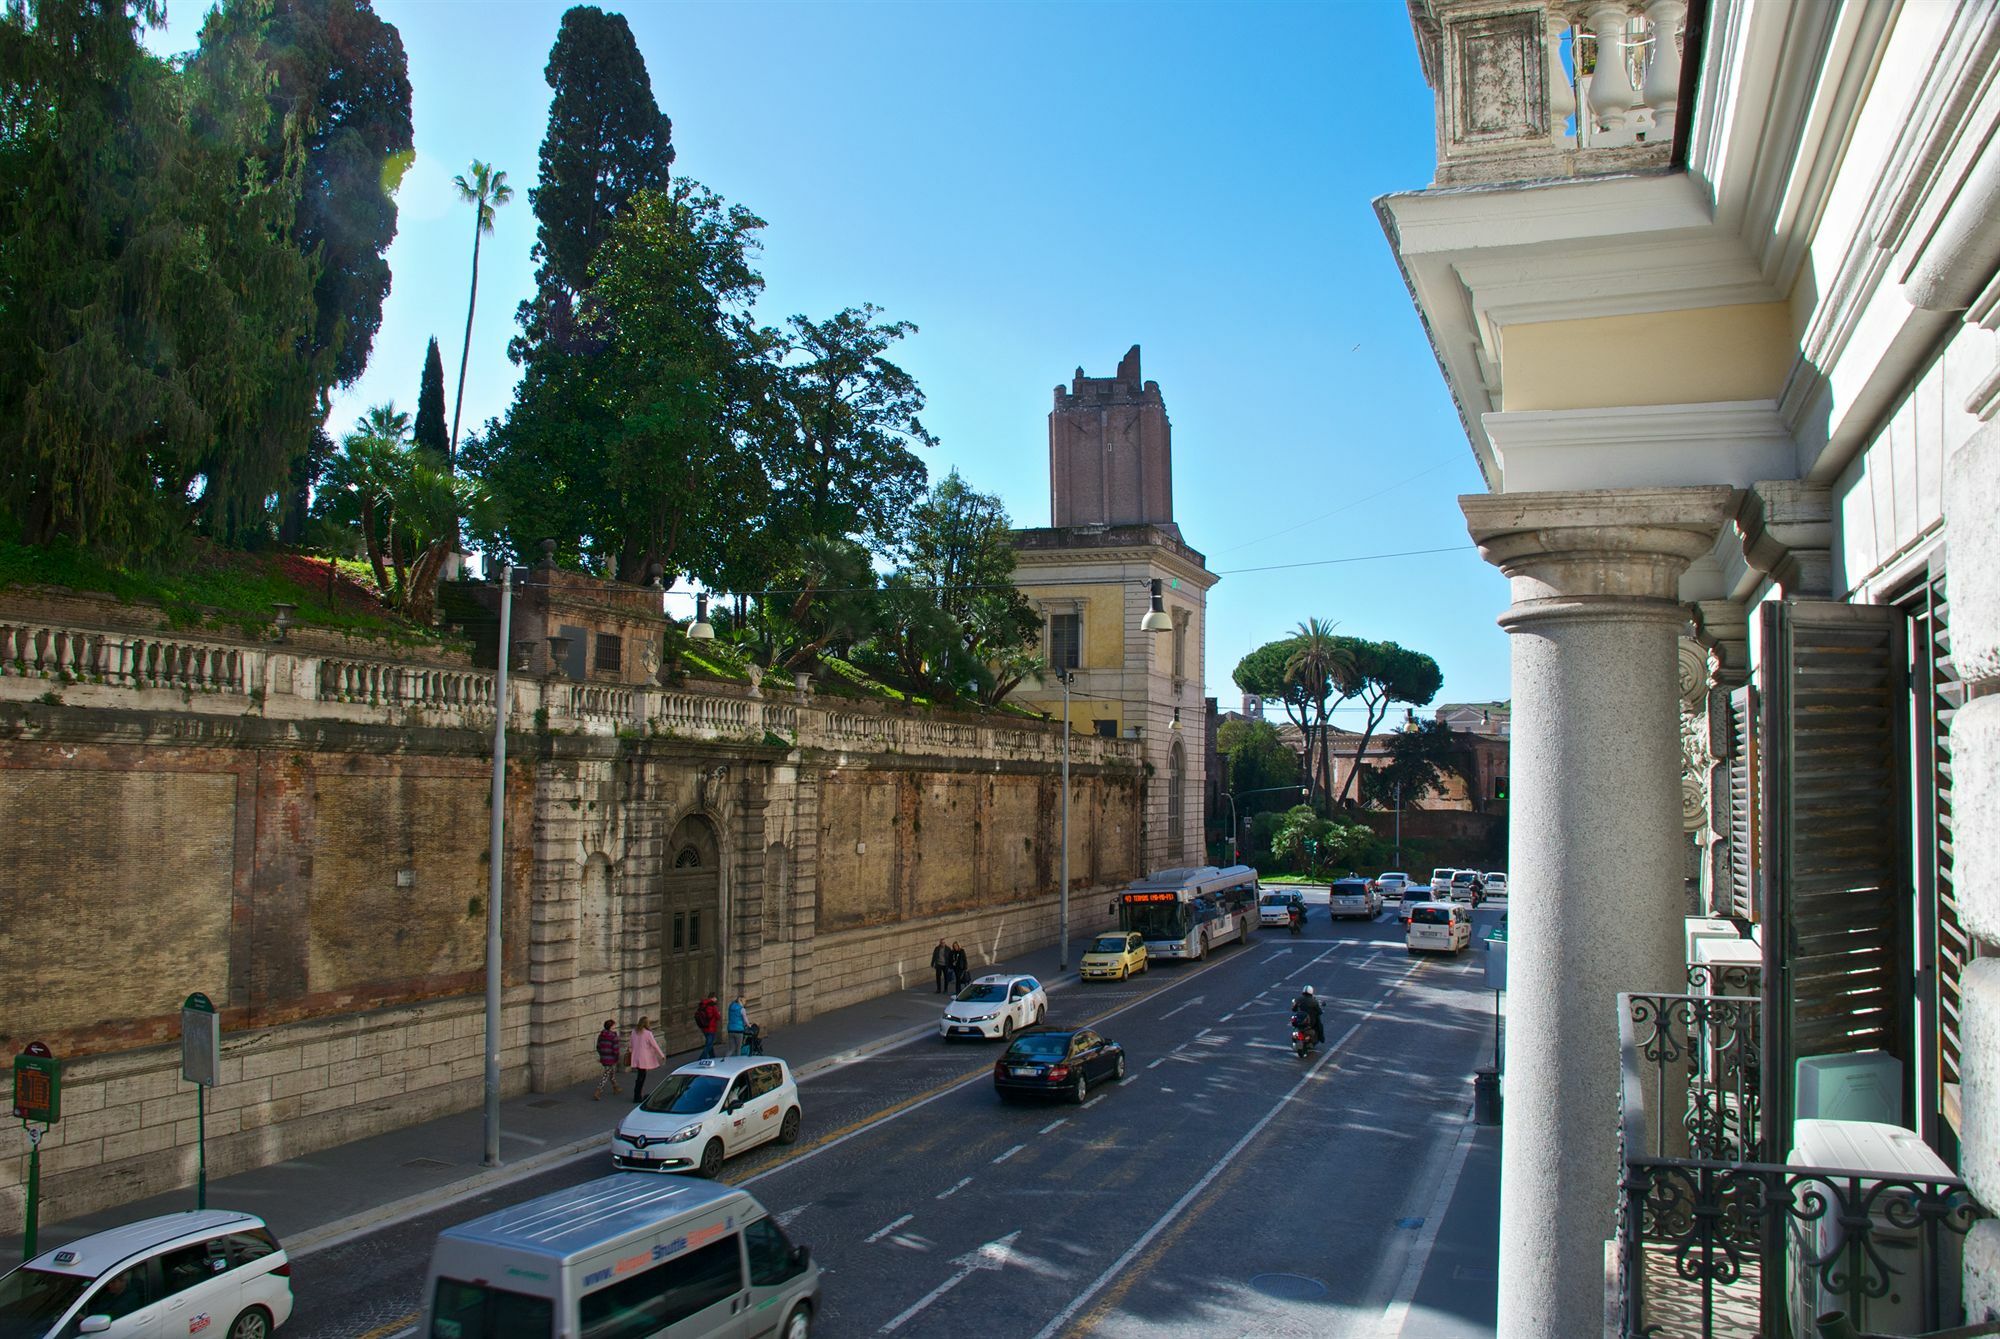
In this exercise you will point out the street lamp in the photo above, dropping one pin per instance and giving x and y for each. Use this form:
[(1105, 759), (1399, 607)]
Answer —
[(1065, 678), (496, 832)]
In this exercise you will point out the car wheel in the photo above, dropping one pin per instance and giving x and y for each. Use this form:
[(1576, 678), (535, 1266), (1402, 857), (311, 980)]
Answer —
[(1080, 1090), (1118, 1070), (1041, 1012), (798, 1325), (711, 1160), (788, 1131), (1006, 1028), (252, 1324)]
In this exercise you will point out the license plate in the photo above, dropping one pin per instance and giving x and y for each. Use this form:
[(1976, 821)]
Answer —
[(1021, 1072)]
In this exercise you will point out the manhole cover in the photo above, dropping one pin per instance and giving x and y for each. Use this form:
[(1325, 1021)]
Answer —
[(1288, 1287), (427, 1164), (547, 1102)]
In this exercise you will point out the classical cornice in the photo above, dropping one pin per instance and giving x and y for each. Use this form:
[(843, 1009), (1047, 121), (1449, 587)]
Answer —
[(1731, 442)]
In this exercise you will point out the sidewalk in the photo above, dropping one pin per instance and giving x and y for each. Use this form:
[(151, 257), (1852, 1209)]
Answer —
[(329, 1196)]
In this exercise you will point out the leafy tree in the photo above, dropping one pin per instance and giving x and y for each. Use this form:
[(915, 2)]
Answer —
[(636, 453), (430, 429), (1378, 674), (847, 418), (1310, 842), (1264, 673), (831, 605), (1254, 758), (360, 488), (153, 299), (607, 141), (486, 191), (1317, 660), (1418, 761)]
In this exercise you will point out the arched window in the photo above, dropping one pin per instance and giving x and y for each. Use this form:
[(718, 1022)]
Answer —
[(1175, 785)]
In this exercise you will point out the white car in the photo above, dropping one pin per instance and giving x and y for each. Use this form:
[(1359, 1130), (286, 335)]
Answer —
[(706, 1111), (1438, 927), (1353, 897), (1441, 879), (162, 1278), (1496, 883), (1393, 883), (995, 1006), (1276, 908)]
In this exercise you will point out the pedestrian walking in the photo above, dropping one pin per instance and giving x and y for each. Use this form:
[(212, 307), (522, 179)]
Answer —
[(646, 1057), (960, 970), (941, 965), (706, 1019), (739, 1026), (607, 1056)]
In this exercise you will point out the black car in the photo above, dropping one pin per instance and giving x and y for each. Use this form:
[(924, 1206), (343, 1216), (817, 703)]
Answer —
[(1057, 1064)]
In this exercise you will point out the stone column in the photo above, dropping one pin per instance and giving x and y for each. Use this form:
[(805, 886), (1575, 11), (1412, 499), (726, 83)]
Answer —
[(1595, 856)]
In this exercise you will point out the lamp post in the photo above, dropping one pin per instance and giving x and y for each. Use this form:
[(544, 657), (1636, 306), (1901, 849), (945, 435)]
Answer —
[(1398, 861), (496, 830)]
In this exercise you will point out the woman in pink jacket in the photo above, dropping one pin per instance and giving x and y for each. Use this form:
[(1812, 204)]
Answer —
[(646, 1057)]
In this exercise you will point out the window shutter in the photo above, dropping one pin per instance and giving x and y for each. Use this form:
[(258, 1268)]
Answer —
[(1835, 892), (1743, 803), (1939, 696)]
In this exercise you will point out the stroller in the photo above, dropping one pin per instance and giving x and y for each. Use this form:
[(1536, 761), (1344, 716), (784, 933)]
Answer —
[(753, 1040)]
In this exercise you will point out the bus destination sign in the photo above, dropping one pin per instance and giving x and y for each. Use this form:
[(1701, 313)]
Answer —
[(1153, 897)]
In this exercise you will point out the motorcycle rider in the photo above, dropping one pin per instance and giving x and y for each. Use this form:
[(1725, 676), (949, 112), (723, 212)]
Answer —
[(1295, 916), (1307, 1003)]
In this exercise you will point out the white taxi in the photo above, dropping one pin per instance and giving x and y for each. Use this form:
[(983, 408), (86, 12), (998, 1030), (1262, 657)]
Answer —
[(1438, 927), (995, 1006), (706, 1111), (207, 1271)]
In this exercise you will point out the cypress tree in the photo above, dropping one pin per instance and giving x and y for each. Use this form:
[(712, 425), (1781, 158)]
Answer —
[(430, 435), (607, 140)]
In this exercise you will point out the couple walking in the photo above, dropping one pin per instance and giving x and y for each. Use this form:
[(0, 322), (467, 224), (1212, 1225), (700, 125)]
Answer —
[(642, 1053), (948, 962), (707, 1016)]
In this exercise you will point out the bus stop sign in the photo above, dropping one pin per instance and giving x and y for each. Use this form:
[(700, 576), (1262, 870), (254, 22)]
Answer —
[(37, 1085), (201, 1041)]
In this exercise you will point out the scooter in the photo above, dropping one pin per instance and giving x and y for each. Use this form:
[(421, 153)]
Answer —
[(1296, 921), (1302, 1036)]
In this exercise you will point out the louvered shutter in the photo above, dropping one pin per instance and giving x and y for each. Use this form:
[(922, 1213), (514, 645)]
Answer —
[(1940, 694), (1742, 893), (1835, 893)]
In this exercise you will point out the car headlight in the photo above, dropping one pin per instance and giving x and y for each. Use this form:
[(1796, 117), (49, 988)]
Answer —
[(982, 1018), (686, 1132)]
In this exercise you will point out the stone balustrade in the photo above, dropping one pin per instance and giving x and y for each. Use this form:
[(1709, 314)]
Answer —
[(85, 667), (1559, 88)]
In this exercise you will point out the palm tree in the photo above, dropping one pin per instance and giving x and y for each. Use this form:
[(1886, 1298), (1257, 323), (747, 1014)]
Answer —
[(369, 461), (485, 192), (1318, 665)]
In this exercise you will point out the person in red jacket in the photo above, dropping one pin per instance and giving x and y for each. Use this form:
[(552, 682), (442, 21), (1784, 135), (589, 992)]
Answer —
[(706, 1019), (607, 1056)]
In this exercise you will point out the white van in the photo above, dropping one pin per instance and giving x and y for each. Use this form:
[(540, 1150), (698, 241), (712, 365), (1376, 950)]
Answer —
[(623, 1256), (1438, 927)]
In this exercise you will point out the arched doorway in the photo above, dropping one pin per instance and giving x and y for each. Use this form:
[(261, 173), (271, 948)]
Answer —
[(690, 925)]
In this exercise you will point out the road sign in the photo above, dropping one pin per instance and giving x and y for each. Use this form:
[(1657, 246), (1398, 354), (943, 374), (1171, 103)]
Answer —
[(201, 1041), (38, 1085)]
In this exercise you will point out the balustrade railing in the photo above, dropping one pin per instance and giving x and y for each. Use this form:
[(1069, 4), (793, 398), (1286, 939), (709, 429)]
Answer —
[(1555, 89), (120, 659), (1716, 1236)]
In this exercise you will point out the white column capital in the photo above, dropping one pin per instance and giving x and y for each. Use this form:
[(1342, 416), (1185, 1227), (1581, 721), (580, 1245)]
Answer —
[(1596, 553)]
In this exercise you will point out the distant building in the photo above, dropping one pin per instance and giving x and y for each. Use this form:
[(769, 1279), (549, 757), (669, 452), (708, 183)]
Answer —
[(1477, 718), (1090, 576)]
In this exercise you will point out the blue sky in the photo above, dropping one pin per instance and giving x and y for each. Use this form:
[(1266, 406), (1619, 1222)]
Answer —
[(1038, 187)]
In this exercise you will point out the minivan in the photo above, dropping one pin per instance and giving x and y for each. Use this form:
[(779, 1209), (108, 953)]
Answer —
[(623, 1256)]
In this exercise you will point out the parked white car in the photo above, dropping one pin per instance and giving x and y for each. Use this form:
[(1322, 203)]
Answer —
[(995, 1006), (207, 1271), (1438, 927), (706, 1111)]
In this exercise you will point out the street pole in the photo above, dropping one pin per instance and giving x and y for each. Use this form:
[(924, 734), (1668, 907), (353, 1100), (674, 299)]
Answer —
[(1398, 861), (1235, 830), (34, 1188), (497, 830), (1062, 914)]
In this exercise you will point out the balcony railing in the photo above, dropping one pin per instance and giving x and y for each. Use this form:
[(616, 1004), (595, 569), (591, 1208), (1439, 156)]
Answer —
[(1559, 88), (1716, 1237)]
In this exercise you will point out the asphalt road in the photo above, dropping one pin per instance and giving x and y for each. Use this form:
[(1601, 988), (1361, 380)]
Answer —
[(1224, 1187)]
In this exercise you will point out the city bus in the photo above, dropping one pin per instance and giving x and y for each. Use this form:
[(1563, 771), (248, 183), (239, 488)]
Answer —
[(1183, 913)]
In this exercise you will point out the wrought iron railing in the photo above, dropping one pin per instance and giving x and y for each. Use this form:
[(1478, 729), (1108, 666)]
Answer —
[(1718, 1237)]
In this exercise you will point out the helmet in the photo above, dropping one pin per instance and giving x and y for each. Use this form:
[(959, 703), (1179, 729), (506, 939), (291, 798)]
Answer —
[(1309, 990)]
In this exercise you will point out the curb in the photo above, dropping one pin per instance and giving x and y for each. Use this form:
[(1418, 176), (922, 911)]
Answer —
[(343, 1230)]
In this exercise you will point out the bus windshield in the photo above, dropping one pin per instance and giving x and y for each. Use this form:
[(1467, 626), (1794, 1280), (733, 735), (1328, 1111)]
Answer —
[(1157, 920)]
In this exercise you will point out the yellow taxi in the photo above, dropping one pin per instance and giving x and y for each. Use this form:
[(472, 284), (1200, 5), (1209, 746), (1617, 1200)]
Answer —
[(1115, 956)]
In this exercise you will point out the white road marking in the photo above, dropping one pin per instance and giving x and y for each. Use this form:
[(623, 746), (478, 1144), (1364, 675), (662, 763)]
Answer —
[(1009, 1153), (1117, 1267), (1062, 1120), (947, 1194), (785, 1219), (1155, 1065), (1267, 1045), (1398, 1312), (882, 1232), (993, 1255), (1093, 1101), (1177, 1008)]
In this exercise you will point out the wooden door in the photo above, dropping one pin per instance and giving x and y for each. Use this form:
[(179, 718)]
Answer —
[(690, 931)]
